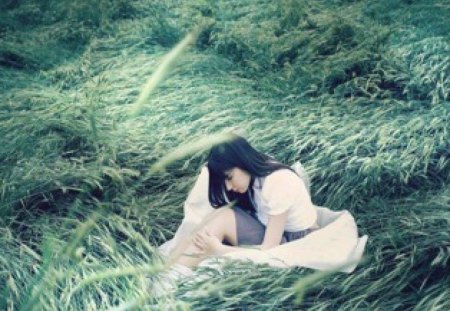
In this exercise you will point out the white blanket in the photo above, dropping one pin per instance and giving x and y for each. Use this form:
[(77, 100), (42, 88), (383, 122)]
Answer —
[(335, 245)]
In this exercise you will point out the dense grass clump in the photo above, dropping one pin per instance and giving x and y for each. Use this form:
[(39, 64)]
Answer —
[(300, 49), (356, 90)]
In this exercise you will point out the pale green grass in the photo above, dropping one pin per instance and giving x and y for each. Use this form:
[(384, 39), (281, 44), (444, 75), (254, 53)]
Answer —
[(375, 142)]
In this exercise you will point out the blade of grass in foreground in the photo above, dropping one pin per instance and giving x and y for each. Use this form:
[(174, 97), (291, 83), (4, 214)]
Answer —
[(114, 273), (47, 274), (302, 286), (189, 149), (162, 71)]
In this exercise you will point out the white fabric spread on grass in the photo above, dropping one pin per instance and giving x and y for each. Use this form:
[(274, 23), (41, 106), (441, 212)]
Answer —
[(335, 245)]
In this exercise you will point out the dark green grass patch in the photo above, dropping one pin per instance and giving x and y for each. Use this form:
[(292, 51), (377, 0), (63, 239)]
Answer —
[(361, 100)]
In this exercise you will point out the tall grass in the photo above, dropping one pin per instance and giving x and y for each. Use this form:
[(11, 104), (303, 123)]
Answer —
[(360, 97)]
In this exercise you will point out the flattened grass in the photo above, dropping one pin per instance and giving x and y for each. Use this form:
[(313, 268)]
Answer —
[(364, 107)]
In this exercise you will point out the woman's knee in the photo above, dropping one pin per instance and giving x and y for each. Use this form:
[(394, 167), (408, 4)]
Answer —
[(223, 225)]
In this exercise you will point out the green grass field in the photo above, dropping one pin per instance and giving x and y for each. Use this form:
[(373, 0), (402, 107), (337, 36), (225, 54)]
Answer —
[(93, 96)]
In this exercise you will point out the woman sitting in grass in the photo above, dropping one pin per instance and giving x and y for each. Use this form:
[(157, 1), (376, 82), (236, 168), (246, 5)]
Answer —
[(272, 204)]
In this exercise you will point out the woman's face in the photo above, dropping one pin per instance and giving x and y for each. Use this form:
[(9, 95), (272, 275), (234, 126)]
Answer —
[(237, 180)]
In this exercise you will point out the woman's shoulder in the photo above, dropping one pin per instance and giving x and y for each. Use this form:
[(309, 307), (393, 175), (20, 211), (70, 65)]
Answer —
[(279, 179), (203, 176), (204, 169), (281, 175)]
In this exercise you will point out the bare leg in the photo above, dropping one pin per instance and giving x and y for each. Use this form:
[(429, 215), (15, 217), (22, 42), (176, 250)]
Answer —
[(221, 224)]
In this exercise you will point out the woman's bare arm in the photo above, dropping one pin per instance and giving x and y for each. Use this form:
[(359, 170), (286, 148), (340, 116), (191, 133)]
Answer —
[(272, 237)]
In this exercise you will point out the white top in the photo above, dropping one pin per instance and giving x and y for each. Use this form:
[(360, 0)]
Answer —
[(282, 191)]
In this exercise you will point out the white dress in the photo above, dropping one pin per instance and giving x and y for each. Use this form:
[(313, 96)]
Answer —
[(335, 245)]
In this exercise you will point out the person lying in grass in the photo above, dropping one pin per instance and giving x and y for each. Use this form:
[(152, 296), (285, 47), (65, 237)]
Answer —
[(272, 205)]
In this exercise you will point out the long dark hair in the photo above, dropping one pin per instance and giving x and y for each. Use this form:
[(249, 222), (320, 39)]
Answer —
[(237, 152)]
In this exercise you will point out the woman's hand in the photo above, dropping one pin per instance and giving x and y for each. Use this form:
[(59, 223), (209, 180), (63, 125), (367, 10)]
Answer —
[(207, 243)]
